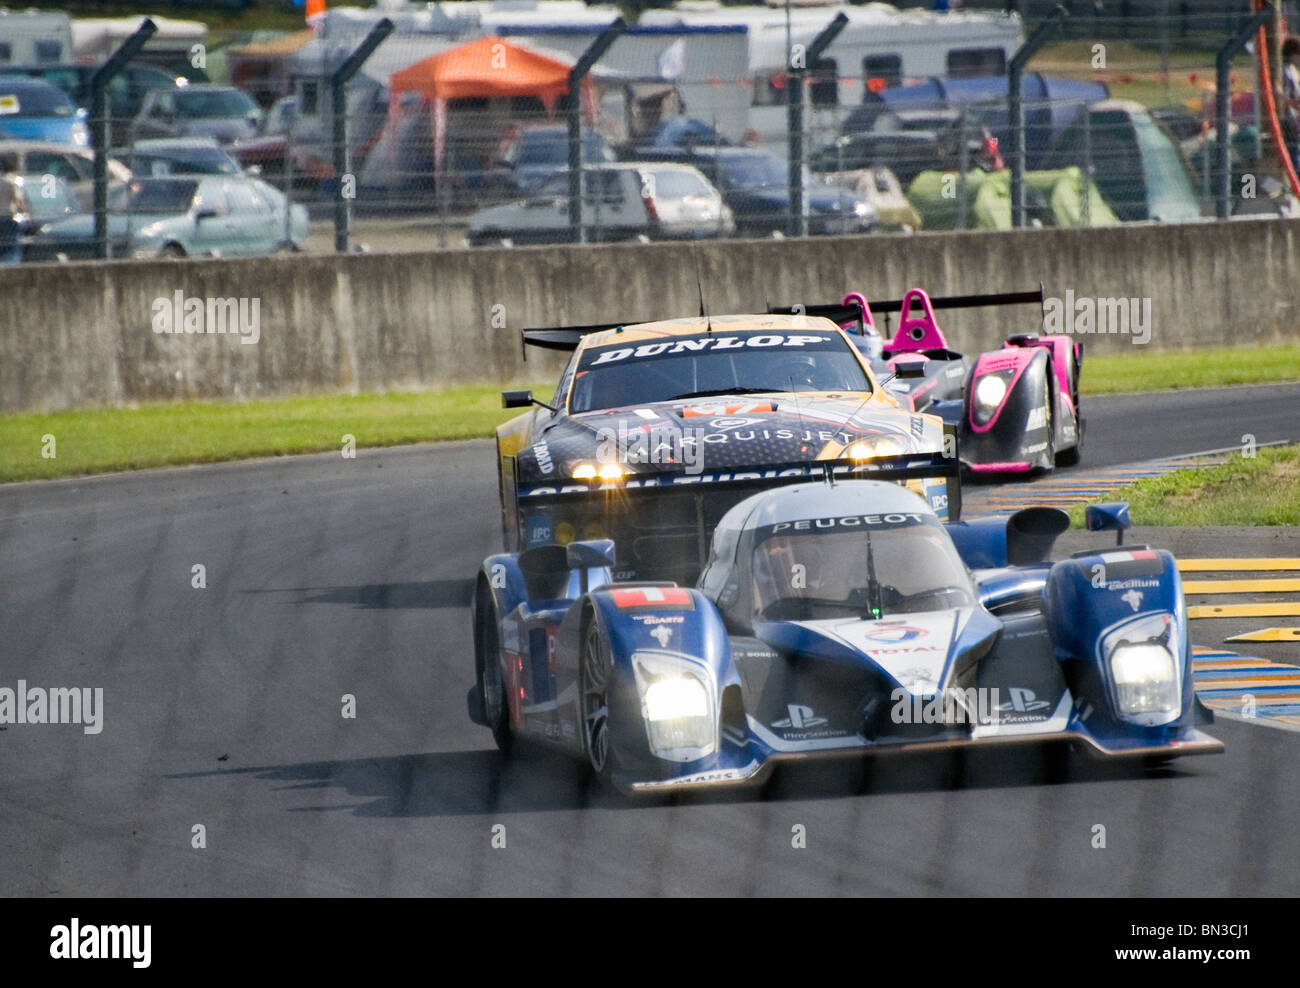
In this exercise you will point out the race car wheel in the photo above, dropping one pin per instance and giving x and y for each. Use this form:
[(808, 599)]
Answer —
[(1050, 455), (491, 688), (1071, 457), (595, 673)]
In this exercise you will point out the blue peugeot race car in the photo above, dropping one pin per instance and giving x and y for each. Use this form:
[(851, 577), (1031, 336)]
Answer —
[(834, 618)]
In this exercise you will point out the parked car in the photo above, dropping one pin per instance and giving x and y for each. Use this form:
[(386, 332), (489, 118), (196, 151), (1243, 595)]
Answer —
[(620, 202), (905, 143), (756, 185), (214, 215), (126, 90), (274, 145), (64, 163), (223, 113), (27, 203), (177, 156), (531, 154), (1135, 162), (880, 187), (35, 110)]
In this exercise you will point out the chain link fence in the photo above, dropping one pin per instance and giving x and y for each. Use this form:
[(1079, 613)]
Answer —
[(682, 134)]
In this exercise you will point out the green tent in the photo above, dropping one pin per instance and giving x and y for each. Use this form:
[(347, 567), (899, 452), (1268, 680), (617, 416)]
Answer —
[(1058, 198)]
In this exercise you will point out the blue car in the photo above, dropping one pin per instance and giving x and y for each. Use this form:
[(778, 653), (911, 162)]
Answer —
[(35, 110), (835, 619)]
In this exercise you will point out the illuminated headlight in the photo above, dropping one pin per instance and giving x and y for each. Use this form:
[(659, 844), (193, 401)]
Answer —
[(1146, 679), (80, 135), (869, 449), (677, 706), (861, 209), (990, 392), (606, 473)]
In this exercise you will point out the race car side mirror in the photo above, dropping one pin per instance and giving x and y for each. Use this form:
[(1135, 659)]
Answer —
[(1113, 515), (909, 368), (521, 399), (583, 555), (1031, 533)]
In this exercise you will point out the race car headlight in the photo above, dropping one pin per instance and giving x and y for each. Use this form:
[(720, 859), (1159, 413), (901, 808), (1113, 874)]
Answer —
[(676, 705), (606, 473), (1146, 679), (990, 392), (869, 449)]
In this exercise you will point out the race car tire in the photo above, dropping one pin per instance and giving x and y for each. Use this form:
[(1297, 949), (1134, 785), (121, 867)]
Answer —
[(1071, 457), (1050, 455), (594, 671), (487, 662)]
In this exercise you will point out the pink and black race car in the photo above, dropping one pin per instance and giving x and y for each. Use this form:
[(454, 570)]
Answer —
[(1016, 409)]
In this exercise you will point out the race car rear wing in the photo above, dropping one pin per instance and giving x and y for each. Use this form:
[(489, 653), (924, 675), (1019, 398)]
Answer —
[(563, 337), (856, 309)]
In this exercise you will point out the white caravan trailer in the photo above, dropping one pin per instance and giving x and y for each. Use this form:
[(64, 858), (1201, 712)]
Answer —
[(880, 46), (34, 37)]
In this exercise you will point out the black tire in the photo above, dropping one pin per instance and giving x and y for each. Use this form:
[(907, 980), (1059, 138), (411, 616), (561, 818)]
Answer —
[(1050, 455), (595, 670), (171, 252), (1071, 457), (487, 665), (287, 247)]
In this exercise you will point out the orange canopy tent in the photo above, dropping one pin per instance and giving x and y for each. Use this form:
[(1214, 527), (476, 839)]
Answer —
[(487, 67)]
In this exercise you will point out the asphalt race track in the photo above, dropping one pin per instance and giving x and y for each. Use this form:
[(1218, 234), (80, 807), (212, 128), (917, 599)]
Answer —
[(325, 577)]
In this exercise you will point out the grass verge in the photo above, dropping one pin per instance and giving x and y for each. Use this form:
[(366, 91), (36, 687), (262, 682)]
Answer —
[(104, 440), (1263, 489), (1138, 371)]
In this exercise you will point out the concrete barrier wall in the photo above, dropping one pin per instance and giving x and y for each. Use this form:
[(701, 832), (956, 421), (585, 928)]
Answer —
[(84, 334)]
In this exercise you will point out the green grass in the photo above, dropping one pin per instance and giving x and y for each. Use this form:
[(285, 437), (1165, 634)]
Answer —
[(1137, 370), (1263, 489), (104, 440)]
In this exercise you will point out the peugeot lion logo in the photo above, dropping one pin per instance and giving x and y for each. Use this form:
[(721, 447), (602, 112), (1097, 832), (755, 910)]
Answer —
[(800, 717)]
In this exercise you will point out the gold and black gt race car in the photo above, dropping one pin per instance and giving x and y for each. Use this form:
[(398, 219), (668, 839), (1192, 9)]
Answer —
[(656, 429)]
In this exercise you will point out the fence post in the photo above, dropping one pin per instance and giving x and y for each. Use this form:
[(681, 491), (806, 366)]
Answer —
[(574, 116), (339, 108), (798, 225), (1222, 144), (1016, 110), (99, 129)]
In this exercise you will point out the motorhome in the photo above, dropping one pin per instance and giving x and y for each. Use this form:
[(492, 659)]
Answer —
[(880, 46), (34, 37)]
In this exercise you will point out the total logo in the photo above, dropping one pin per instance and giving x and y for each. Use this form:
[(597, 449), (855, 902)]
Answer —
[(895, 633), (1133, 598), (1023, 701), (800, 717)]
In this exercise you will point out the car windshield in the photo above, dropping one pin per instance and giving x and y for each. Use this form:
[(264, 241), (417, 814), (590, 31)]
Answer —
[(153, 197), (58, 203), (207, 103), (552, 148), (858, 566), (195, 161), (713, 364), (33, 99), (757, 171)]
